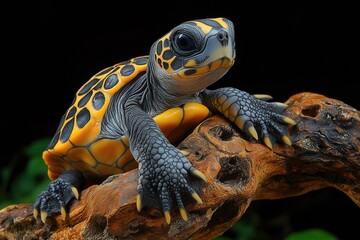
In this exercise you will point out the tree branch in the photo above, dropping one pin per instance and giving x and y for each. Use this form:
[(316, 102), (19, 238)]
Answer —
[(325, 153)]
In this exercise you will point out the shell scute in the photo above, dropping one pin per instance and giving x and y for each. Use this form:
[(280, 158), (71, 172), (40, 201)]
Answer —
[(76, 143)]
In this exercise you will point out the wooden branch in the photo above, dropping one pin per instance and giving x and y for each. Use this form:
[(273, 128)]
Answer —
[(325, 153)]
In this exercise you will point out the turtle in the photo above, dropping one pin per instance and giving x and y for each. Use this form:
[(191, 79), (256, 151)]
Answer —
[(131, 114)]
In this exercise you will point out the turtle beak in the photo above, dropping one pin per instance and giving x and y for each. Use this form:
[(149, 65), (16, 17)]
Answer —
[(219, 46)]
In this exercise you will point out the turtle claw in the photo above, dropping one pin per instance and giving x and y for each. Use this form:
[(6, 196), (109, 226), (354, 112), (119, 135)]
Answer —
[(198, 174), (58, 196), (264, 97), (63, 213), (183, 214), (288, 120), (43, 216), (197, 198), (171, 181), (268, 142), (35, 213), (167, 216), (252, 131), (286, 140), (75, 192), (186, 153)]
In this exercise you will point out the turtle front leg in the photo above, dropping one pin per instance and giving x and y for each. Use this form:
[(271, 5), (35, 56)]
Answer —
[(58, 195), (166, 177), (251, 113)]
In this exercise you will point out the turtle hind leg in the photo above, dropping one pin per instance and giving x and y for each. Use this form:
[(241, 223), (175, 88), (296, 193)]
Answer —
[(59, 194)]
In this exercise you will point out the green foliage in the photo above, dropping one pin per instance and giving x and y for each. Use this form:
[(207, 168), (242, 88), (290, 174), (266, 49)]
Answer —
[(245, 229), (30, 181), (311, 234)]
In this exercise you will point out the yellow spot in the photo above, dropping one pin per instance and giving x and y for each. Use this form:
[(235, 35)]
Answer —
[(253, 132), (75, 192), (35, 212), (286, 140), (205, 28), (196, 197), (183, 214), (268, 142), (63, 213), (43, 216), (289, 121), (138, 202), (222, 23), (199, 174), (191, 63), (167, 216), (216, 64)]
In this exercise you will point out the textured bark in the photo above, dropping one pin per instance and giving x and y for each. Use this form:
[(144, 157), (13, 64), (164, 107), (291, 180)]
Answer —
[(325, 153)]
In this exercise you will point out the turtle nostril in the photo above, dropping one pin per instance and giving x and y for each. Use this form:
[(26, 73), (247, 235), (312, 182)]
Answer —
[(223, 37)]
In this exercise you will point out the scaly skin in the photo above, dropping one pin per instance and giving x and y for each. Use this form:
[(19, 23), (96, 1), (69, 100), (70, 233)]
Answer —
[(130, 114)]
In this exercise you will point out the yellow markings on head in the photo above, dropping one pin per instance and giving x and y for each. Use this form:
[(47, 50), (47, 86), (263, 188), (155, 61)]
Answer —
[(206, 28), (222, 22), (191, 63), (203, 27), (199, 70)]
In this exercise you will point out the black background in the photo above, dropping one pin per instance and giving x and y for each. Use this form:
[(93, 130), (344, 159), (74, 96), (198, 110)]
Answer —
[(282, 49)]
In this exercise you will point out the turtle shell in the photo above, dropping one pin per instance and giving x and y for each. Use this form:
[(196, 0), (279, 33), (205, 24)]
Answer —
[(76, 143)]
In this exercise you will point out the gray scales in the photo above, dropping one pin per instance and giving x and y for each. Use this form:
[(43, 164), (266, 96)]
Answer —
[(127, 107)]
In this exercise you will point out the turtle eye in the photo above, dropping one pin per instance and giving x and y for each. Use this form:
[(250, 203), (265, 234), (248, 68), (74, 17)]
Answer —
[(184, 42)]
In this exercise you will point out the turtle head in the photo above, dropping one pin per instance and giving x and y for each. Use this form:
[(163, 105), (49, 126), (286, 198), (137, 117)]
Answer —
[(193, 55)]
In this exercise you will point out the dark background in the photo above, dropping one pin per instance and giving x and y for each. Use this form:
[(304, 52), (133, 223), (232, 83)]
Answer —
[(282, 49)]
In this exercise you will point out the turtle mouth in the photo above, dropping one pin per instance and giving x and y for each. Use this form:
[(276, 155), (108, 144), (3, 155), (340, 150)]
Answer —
[(190, 72), (223, 62)]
